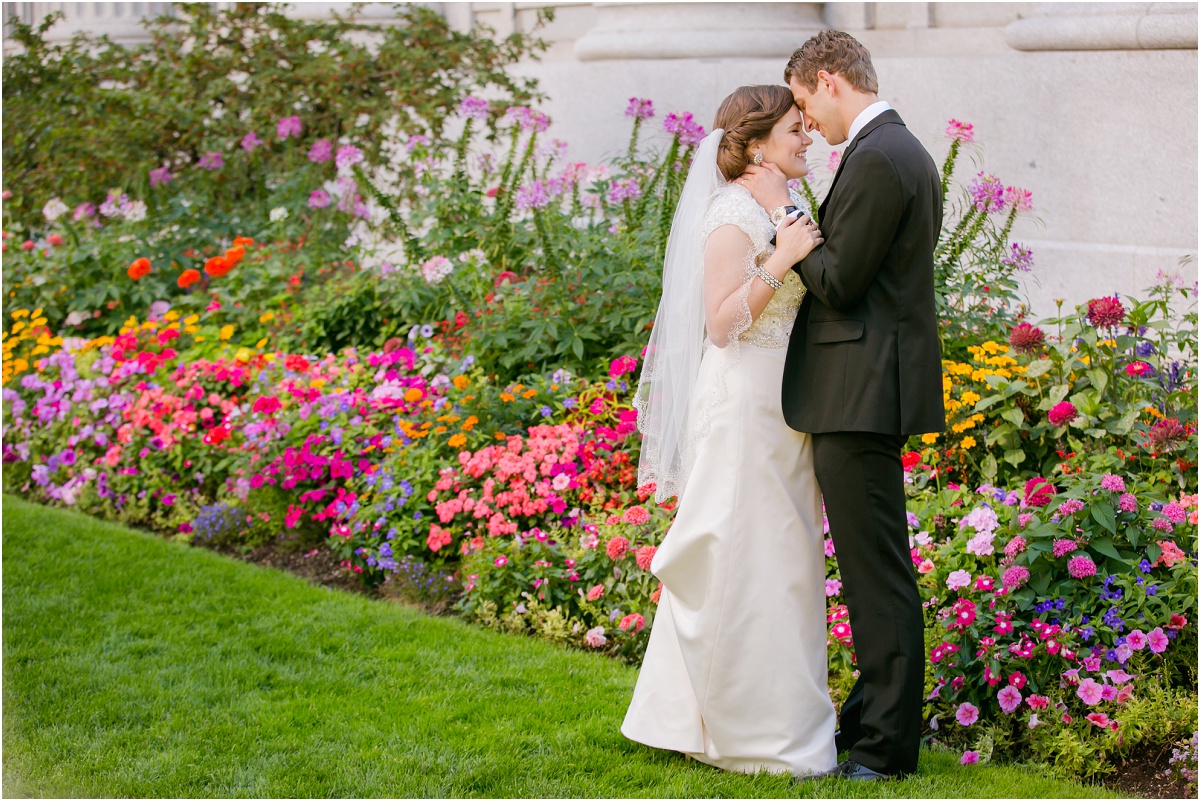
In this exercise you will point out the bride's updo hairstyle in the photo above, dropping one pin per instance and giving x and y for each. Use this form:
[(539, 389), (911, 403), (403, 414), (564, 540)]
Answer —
[(748, 115)]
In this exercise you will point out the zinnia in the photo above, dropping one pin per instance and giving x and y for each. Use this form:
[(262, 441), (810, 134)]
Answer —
[(645, 555), (217, 266), (1026, 338), (617, 547), (635, 515), (1105, 312), (1062, 413), (139, 269), (1038, 492), (187, 278)]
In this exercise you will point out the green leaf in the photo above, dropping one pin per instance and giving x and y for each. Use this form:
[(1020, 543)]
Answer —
[(1038, 368), (1058, 392), (1014, 456), (1105, 546), (1014, 416), (1103, 514), (989, 401), (988, 466), (1099, 378), (1040, 582)]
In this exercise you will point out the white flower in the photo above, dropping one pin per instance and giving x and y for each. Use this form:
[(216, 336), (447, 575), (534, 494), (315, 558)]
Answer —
[(279, 213), (134, 211), (54, 209), (595, 637), (436, 269)]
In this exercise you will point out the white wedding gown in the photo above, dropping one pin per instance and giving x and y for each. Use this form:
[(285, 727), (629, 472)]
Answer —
[(735, 670)]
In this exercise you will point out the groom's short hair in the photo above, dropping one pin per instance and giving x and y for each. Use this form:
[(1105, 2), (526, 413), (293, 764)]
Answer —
[(835, 52)]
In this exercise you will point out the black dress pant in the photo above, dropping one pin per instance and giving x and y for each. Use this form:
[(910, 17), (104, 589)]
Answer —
[(862, 482)]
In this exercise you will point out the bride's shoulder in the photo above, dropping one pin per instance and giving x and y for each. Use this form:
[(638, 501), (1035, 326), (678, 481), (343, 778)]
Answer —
[(731, 204)]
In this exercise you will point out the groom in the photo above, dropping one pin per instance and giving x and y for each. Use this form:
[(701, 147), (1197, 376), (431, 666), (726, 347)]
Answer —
[(863, 373)]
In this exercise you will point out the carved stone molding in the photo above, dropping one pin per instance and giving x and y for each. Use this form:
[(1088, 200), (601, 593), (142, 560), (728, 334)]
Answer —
[(1106, 26), (698, 30)]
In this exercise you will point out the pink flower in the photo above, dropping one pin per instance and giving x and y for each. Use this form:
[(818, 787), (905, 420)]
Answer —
[(1015, 577), (288, 126), (639, 108), (1010, 699), (645, 555), (1098, 719), (1037, 701), (832, 587), (1016, 545), (476, 108), (266, 404), (1177, 622), (966, 714), (212, 160), (1081, 567), (1136, 639), (1175, 513), (1157, 640), (595, 637), (963, 612), (1137, 369), (617, 547), (1033, 721), (958, 579), (1017, 680), (1026, 338), (1018, 198), (632, 621), (501, 561), (1105, 312), (1112, 483), (622, 365), (969, 758), (1062, 413), (835, 161), (250, 141), (1128, 503), (348, 156), (926, 566), (1090, 691), (985, 583), (1064, 546), (1003, 624), (987, 193), (595, 592), (321, 151), (636, 516), (960, 131), (1125, 693)]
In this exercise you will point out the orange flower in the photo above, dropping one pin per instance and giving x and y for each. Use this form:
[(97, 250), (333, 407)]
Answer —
[(188, 277), (235, 254), (243, 240), (139, 269), (217, 266)]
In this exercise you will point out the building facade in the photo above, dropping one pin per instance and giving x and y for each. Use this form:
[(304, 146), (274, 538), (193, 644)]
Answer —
[(1091, 106)]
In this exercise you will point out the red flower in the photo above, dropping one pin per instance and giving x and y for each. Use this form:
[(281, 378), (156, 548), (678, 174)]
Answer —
[(187, 278), (217, 266), (1177, 622), (910, 460), (54, 239), (632, 621), (1038, 492), (139, 269), (1105, 312), (1026, 338), (267, 404), (506, 277), (297, 363)]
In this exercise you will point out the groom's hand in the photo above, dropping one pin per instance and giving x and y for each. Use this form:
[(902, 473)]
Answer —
[(767, 184)]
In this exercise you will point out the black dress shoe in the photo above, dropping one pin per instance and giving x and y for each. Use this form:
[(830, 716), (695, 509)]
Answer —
[(856, 772)]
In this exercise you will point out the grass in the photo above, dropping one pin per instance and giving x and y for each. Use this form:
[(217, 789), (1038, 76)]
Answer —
[(134, 666)]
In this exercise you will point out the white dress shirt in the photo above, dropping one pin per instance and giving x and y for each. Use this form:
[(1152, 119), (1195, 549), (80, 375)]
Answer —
[(866, 115)]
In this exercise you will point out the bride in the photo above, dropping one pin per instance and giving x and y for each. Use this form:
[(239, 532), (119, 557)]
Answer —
[(735, 669)]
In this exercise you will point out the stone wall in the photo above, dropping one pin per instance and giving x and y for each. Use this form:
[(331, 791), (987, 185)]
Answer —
[(1091, 106)]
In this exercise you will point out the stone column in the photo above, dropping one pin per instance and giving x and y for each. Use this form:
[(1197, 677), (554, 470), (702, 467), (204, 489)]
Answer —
[(1106, 26)]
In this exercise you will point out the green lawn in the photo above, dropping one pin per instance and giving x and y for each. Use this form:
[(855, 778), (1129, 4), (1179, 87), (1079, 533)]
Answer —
[(134, 666)]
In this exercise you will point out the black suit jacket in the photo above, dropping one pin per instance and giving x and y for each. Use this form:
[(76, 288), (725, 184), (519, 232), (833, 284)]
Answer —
[(864, 353)]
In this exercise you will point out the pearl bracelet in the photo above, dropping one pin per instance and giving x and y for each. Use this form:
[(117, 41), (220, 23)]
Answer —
[(769, 279)]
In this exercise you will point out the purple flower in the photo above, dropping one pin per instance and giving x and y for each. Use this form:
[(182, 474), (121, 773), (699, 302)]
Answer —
[(67, 457), (212, 160), (624, 189), (347, 156), (1019, 258), (321, 151), (319, 199), (473, 108), (832, 587), (250, 141), (987, 193), (288, 126), (689, 131), (639, 109), (969, 758), (162, 175)]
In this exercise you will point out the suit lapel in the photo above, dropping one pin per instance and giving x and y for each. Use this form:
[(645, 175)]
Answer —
[(888, 116)]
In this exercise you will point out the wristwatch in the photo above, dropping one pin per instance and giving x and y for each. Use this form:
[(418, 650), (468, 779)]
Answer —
[(779, 213)]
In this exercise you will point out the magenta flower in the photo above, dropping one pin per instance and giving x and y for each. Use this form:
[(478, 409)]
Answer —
[(961, 131), (966, 714), (1010, 699), (1105, 312), (348, 156), (969, 758), (987, 193), (1062, 413), (1015, 546), (527, 119), (473, 108), (1128, 503), (1136, 639), (1070, 506), (1039, 491), (321, 151), (1157, 640), (1098, 719), (1064, 546), (1138, 369), (1112, 483), (319, 199), (160, 176), (689, 131), (1175, 513), (212, 160), (639, 108), (250, 141), (288, 126), (1015, 577), (84, 211), (1090, 691), (1081, 567), (500, 561)]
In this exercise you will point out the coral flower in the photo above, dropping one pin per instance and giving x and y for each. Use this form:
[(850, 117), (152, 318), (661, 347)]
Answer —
[(139, 269), (617, 547), (645, 555), (187, 278), (217, 266)]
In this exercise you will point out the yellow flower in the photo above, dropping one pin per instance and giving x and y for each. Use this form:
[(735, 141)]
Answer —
[(199, 337), (457, 441), (191, 329), (317, 383), (260, 343), (929, 439), (191, 319), (968, 442), (171, 316), (226, 331), (990, 347), (19, 313), (243, 355), (970, 398), (266, 318)]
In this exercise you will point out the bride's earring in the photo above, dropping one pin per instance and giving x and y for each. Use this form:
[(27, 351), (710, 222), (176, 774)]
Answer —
[(758, 158)]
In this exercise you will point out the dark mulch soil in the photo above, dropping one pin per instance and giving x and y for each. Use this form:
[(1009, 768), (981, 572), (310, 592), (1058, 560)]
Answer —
[(1145, 774)]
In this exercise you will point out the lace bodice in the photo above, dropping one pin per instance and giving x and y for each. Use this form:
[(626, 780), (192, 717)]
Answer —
[(733, 205)]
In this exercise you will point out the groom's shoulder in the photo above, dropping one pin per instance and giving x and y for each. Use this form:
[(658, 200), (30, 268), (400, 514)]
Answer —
[(895, 139)]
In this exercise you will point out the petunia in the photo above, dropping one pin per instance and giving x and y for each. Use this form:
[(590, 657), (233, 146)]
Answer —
[(966, 714)]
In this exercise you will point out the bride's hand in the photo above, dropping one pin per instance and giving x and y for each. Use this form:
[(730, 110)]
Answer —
[(797, 238)]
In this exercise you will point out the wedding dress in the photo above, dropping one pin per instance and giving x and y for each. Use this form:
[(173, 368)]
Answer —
[(735, 670)]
